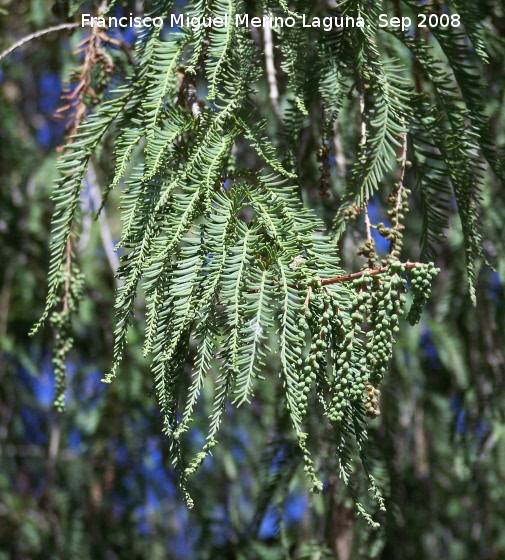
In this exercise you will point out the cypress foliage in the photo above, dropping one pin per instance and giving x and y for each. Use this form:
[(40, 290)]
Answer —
[(249, 172)]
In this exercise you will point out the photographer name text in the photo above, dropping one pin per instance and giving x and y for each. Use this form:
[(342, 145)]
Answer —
[(327, 23)]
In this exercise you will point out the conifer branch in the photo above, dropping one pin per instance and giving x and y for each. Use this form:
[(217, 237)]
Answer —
[(228, 252)]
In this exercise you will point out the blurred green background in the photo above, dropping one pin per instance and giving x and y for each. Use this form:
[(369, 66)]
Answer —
[(95, 482)]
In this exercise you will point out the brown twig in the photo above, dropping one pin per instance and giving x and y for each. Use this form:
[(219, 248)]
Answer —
[(398, 194), (368, 226), (36, 35), (363, 122), (369, 244), (338, 152), (273, 90), (354, 275), (371, 272), (74, 96), (307, 297)]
